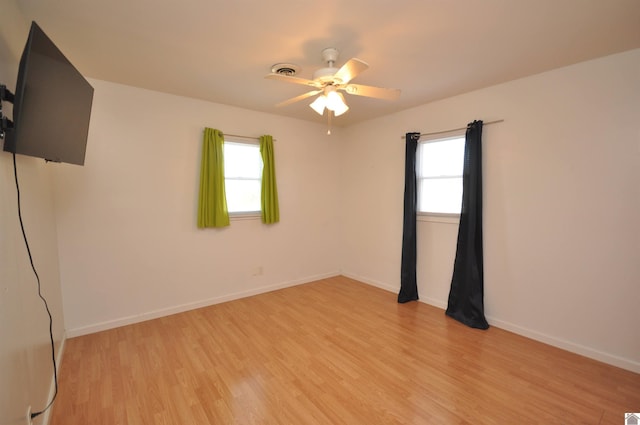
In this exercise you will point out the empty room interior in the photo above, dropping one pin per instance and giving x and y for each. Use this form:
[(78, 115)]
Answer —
[(292, 311)]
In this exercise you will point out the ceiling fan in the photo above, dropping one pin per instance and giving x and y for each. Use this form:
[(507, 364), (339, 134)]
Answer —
[(328, 82)]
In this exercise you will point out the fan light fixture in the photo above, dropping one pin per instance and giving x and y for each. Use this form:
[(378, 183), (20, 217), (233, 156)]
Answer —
[(328, 82), (332, 100)]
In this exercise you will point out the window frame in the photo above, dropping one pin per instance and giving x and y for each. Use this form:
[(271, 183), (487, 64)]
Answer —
[(243, 215), (438, 217)]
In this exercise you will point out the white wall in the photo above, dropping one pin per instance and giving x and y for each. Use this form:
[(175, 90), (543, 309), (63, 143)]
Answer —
[(26, 373), (562, 197), (128, 241)]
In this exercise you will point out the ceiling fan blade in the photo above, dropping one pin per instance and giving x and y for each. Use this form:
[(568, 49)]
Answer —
[(350, 69), (295, 80), (370, 91), (299, 98)]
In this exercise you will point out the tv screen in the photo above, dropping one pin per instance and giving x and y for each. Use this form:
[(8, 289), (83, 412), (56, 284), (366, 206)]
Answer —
[(52, 104)]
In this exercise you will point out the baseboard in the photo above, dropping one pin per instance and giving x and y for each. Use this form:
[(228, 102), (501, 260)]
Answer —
[(391, 288), (371, 282), (537, 336), (154, 314), (567, 345)]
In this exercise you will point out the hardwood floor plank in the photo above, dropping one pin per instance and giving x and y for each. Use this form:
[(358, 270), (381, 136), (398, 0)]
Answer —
[(334, 351)]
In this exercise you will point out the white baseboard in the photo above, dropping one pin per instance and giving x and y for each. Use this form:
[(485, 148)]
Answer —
[(611, 359), (371, 282), (154, 314)]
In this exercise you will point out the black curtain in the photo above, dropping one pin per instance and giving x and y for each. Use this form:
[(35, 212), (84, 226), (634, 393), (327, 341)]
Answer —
[(408, 284), (466, 297)]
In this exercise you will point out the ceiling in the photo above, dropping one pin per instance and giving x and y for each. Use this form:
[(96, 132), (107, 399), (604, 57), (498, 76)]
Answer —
[(220, 51)]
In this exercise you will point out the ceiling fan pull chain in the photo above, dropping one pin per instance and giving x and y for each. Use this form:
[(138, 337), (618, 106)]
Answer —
[(329, 112)]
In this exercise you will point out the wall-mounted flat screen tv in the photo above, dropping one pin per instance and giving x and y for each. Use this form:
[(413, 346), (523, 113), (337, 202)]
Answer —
[(52, 104)]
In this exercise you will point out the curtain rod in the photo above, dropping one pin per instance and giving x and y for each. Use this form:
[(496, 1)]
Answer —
[(243, 137), (455, 129)]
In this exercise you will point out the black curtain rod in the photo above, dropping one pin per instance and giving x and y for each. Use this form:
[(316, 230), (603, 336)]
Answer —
[(454, 129)]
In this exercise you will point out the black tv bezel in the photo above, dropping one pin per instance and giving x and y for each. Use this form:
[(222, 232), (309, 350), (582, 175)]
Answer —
[(12, 137)]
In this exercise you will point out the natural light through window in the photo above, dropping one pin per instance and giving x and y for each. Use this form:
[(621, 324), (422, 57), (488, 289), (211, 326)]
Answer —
[(242, 173), (439, 165)]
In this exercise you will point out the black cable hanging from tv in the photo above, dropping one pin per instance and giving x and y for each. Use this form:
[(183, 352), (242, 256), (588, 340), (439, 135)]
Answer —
[(44, 300)]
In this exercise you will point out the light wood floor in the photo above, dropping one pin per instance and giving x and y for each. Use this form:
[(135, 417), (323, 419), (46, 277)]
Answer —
[(330, 352)]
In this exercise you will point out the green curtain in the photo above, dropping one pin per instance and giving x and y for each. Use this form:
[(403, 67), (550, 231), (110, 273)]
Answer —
[(269, 192), (212, 202)]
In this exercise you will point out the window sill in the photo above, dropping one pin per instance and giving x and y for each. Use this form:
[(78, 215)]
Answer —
[(439, 218), (239, 216)]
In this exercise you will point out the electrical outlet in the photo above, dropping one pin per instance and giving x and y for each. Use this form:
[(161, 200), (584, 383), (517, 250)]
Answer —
[(29, 421)]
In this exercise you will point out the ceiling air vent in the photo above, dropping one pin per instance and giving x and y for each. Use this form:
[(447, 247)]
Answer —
[(287, 69)]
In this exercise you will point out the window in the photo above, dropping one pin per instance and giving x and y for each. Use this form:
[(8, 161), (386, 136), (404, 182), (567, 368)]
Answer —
[(439, 172), (242, 176)]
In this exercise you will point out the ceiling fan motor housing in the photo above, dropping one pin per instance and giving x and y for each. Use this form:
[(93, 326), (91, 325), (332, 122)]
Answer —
[(325, 75), (330, 54)]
